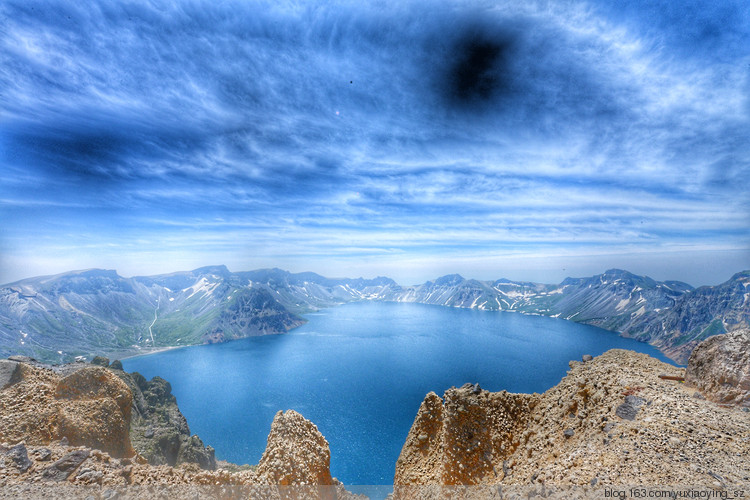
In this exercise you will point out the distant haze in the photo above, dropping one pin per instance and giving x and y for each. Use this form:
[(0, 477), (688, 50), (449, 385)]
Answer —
[(526, 140)]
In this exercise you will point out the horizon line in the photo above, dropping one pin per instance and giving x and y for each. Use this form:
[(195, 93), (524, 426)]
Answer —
[(85, 270)]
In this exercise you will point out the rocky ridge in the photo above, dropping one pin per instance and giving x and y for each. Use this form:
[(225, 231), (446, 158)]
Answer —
[(670, 315), (101, 406), (695, 316), (614, 420), (67, 429), (56, 318), (720, 368)]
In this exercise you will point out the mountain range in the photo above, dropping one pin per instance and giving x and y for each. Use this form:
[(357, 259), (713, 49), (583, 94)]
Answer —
[(57, 318)]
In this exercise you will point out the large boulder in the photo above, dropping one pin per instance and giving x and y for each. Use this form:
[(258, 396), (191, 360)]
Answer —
[(97, 407), (9, 373), (97, 410), (296, 453), (100, 361), (95, 382), (90, 407), (28, 410), (720, 368)]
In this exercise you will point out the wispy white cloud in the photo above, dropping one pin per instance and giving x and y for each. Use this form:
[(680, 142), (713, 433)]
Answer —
[(424, 130)]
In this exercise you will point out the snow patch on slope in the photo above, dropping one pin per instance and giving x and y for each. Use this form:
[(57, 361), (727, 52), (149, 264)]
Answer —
[(202, 285)]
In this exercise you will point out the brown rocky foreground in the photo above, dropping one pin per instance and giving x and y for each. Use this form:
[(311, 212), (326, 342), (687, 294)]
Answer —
[(720, 368), (65, 433), (619, 425), (611, 421), (295, 465)]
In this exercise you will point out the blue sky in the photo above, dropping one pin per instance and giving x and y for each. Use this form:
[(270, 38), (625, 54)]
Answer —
[(527, 140)]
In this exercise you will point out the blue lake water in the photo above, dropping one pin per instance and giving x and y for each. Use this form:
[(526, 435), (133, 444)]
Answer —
[(360, 372)]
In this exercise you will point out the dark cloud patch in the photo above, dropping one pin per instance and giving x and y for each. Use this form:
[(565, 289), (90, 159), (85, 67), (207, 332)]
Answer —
[(105, 156), (480, 71), (504, 73), (84, 157)]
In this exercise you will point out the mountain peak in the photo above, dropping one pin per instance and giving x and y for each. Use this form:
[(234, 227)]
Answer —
[(449, 280), (617, 273), (90, 273), (221, 270)]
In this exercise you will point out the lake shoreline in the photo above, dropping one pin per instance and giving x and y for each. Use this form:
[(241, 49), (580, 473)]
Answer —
[(361, 370), (319, 311)]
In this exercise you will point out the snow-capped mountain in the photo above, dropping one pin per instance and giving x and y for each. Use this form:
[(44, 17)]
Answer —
[(695, 316), (98, 311), (670, 315), (610, 300)]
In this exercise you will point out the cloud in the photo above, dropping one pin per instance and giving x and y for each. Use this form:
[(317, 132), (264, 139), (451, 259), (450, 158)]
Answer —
[(348, 128)]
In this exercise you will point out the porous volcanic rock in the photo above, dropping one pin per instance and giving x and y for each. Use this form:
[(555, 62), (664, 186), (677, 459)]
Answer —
[(28, 409), (89, 407), (38, 461), (572, 434), (96, 412), (720, 368), (78, 472), (451, 441), (102, 408), (296, 453)]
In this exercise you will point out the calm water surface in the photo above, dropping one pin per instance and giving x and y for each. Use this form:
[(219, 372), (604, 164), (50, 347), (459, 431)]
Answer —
[(360, 372)]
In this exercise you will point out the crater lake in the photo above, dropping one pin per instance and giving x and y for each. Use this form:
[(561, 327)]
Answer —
[(360, 371)]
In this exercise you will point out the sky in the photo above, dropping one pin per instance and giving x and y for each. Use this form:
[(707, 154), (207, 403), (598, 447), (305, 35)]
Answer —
[(528, 140)]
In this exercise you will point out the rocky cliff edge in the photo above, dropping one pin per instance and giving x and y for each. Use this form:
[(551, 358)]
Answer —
[(66, 432), (622, 418), (720, 368)]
